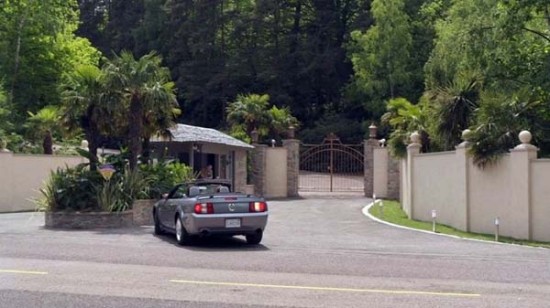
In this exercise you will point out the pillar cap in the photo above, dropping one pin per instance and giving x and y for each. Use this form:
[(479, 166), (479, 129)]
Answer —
[(466, 135), (291, 132), (415, 138), (525, 137), (254, 135), (372, 131), (84, 145)]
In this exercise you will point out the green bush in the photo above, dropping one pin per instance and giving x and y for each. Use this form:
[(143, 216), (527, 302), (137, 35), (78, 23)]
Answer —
[(71, 189), (164, 175), (118, 193)]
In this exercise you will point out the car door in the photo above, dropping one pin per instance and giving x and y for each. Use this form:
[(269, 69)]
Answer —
[(163, 208), (176, 196)]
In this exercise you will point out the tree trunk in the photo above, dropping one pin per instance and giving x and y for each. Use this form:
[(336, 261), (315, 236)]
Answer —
[(295, 32), (16, 58), (146, 149), (91, 137), (134, 130), (47, 144), (91, 131)]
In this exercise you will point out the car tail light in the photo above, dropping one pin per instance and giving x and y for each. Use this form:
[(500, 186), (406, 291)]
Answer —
[(204, 208), (258, 207)]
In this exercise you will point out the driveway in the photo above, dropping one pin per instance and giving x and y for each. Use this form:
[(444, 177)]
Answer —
[(317, 252)]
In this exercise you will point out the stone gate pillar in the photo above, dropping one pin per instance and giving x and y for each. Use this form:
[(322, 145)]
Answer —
[(369, 146), (292, 146)]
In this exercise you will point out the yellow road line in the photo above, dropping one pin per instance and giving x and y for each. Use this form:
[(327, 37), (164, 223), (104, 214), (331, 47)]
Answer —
[(395, 292), (22, 272)]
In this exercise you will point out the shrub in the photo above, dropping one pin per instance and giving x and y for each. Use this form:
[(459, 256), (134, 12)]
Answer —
[(164, 175), (71, 189), (118, 193)]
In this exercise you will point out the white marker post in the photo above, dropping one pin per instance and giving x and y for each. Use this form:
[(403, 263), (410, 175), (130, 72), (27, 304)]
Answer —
[(497, 223), (434, 216), (381, 208)]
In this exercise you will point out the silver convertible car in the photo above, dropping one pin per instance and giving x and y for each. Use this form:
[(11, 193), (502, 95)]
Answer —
[(209, 207)]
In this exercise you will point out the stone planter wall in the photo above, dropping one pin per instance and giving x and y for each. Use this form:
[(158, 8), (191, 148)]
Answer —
[(143, 212), (89, 220)]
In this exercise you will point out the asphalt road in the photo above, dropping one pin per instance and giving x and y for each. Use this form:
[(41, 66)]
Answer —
[(315, 253)]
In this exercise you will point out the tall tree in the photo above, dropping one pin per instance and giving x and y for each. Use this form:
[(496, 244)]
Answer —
[(381, 56), (507, 41), (37, 47), (138, 85), (82, 106)]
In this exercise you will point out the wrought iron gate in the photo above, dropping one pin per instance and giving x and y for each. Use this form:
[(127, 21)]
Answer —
[(332, 166)]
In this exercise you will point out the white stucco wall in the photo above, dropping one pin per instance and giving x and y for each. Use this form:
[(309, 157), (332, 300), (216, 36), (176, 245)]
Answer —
[(404, 192), (540, 199), (276, 173), (22, 176), (491, 193), (439, 184)]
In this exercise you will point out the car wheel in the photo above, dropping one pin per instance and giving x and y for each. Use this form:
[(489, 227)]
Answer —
[(158, 228), (182, 236), (254, 239)]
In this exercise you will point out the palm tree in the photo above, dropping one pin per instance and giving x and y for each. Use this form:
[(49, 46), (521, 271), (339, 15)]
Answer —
[(82, 106), (250, 111), (500, 119), (281, 120), (406, 118), (139, 86), (455, 105), (43, 124), (158, 119)]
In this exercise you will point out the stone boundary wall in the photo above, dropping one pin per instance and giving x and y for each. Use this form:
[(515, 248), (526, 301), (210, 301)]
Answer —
[(143, 212), (386, 174), (91, 220)]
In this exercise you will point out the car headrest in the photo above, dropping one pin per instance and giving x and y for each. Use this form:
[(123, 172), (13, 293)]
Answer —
[(223, 189), (194, 190)]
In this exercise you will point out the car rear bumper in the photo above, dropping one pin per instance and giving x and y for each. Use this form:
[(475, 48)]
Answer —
[(216, 224)]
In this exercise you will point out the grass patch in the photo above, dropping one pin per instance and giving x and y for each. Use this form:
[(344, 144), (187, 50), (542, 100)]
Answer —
[(391, 212)]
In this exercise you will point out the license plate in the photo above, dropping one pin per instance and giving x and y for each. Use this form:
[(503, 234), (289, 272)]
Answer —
[(233, 223)]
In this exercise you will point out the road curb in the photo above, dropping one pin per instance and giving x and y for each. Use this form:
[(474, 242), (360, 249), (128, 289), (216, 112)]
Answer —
[(365, 212)]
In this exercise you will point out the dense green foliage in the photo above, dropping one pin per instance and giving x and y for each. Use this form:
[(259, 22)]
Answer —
[(164, 175), (334, 65), (71, 189), (252, 113)]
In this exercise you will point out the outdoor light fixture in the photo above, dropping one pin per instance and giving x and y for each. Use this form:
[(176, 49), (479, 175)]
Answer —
[(497, 224), (107, 171)]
